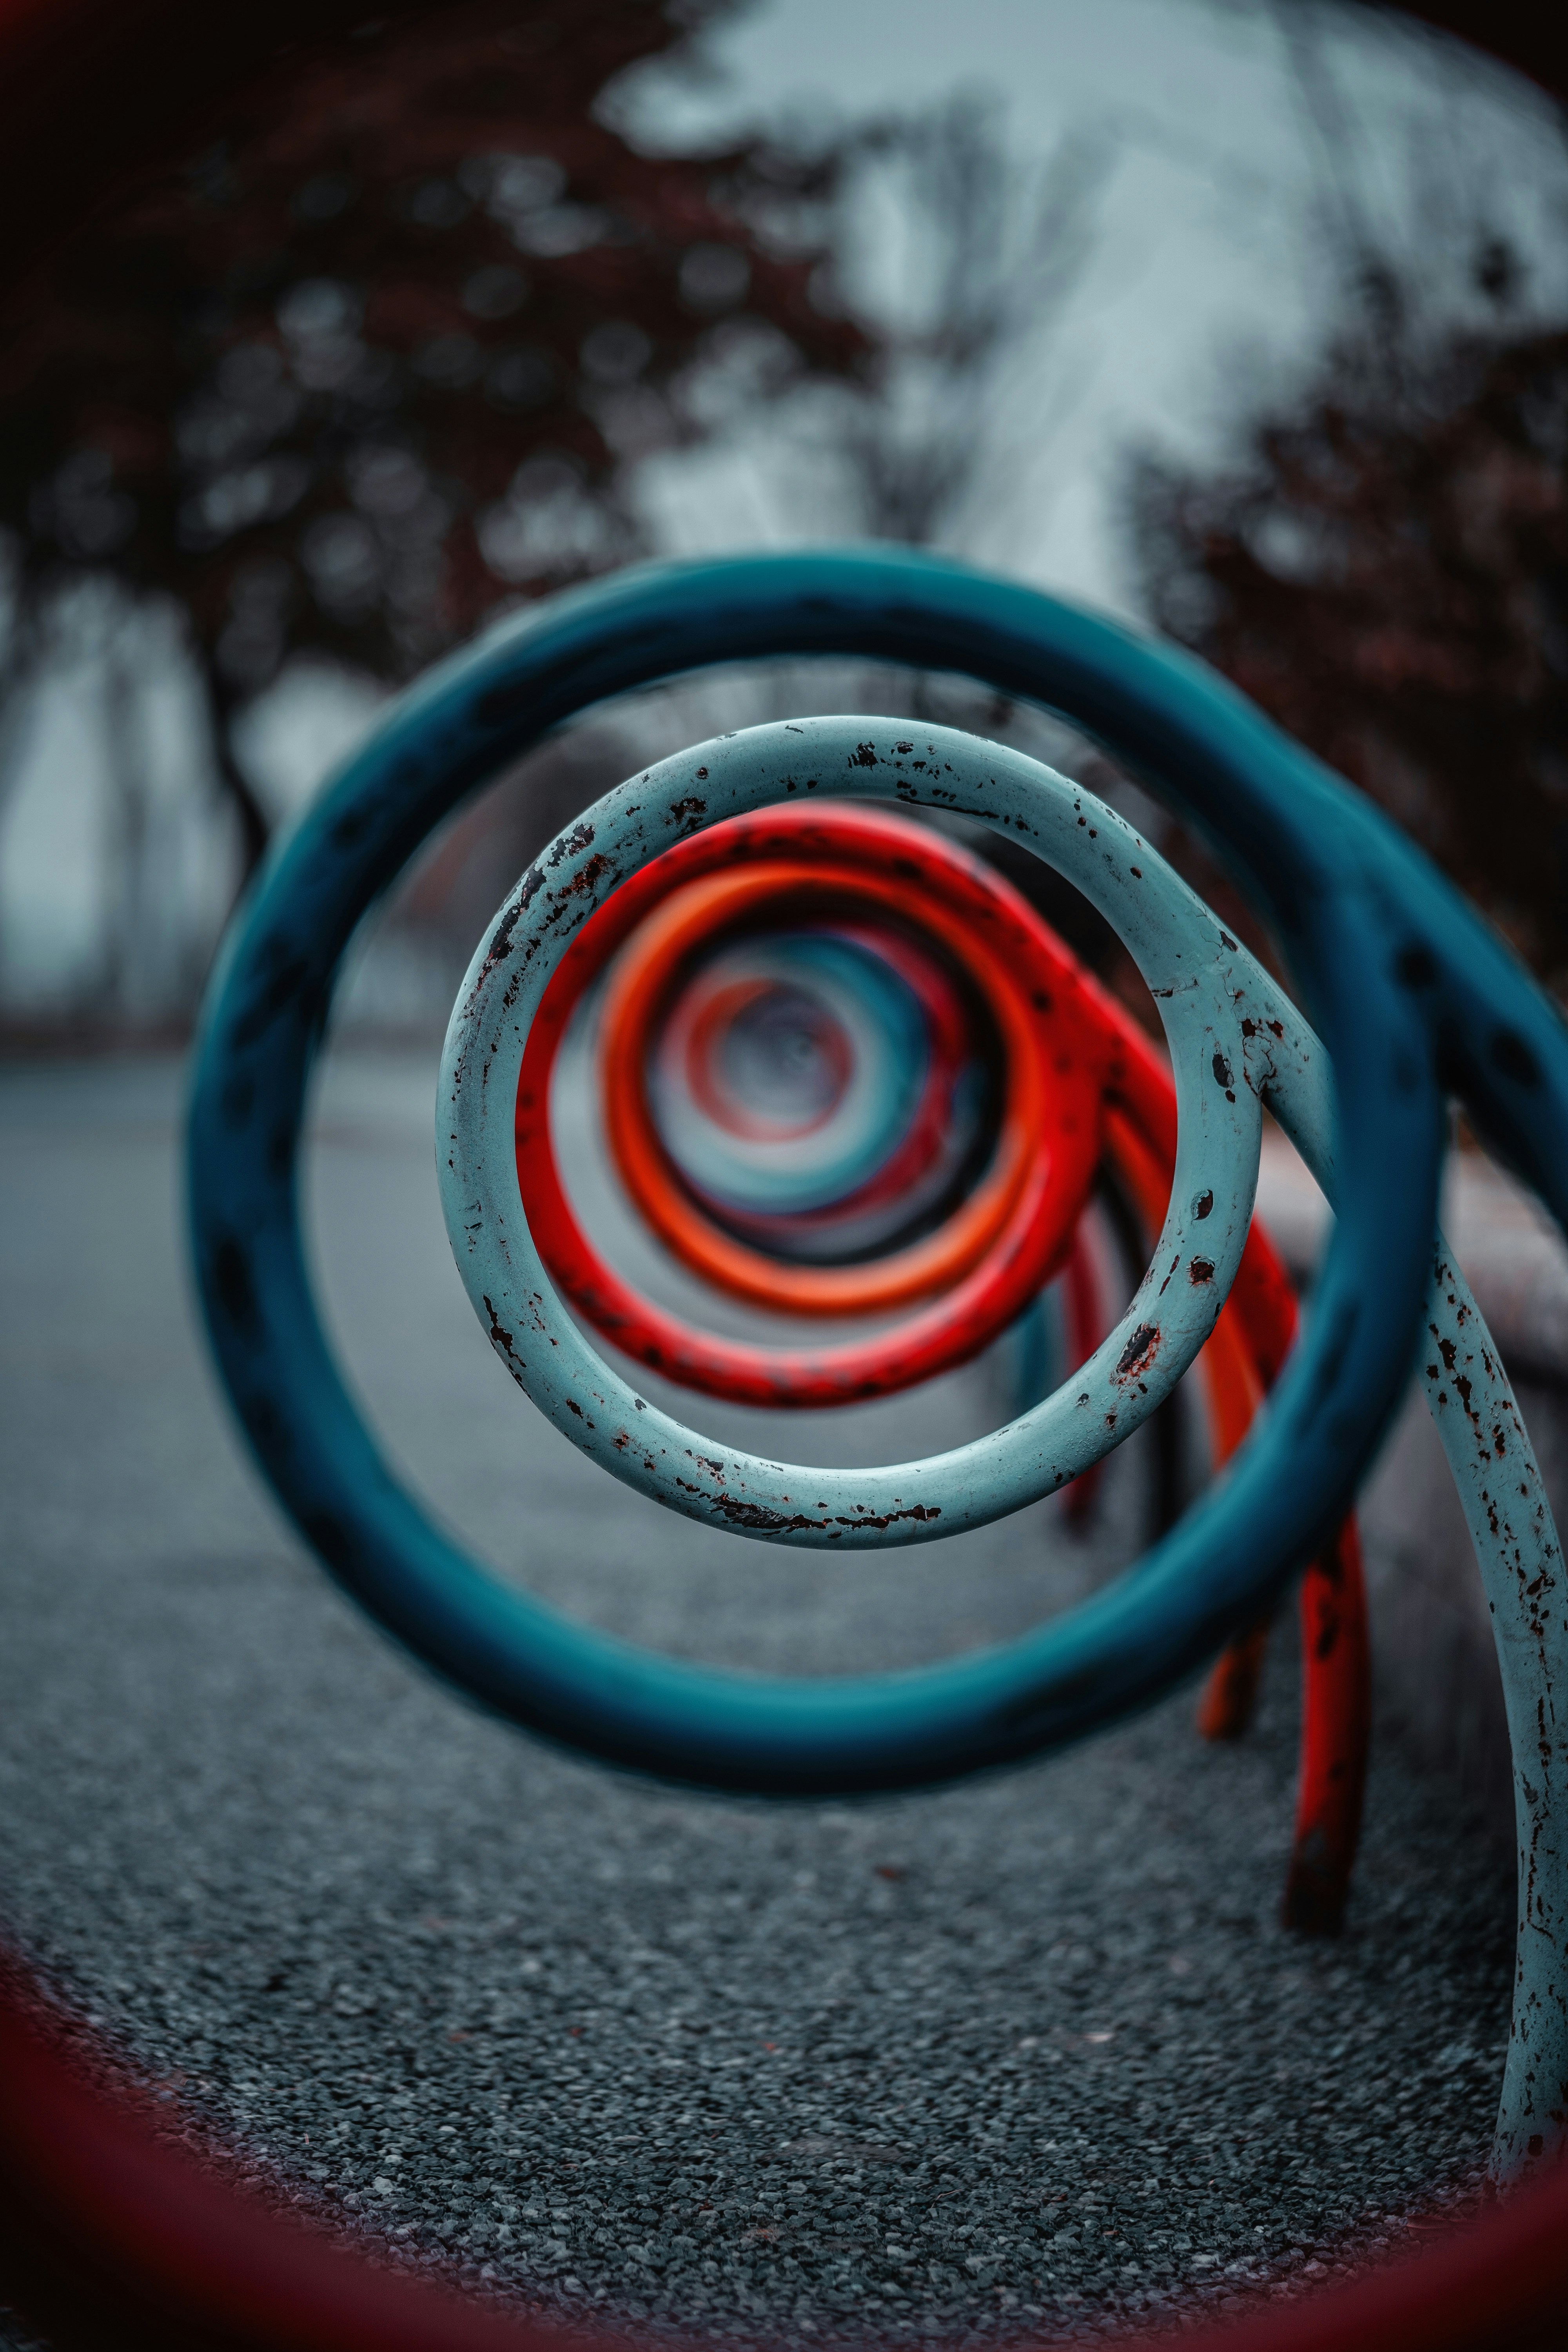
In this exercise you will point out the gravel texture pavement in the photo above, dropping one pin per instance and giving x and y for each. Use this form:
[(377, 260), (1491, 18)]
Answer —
[(1024, 2054)]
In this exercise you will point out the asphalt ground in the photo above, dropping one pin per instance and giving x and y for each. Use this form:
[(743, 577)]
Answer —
[(1020, 2055)]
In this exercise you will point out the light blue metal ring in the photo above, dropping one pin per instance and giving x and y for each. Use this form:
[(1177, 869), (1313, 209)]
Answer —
[(1185, 956)]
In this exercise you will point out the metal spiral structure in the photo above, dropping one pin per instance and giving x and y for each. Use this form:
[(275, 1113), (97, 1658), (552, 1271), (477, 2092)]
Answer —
[(126, 2239), (788, 1070), (994, 1077), (951, 1085), (1412, 999)]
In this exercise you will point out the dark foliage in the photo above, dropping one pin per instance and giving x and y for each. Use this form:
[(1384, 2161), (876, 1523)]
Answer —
[(1385, 570), (375, 366)]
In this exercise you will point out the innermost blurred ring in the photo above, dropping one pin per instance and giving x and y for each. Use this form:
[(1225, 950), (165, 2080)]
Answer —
[(822, 1087), (765, 1059), (784, 1063)]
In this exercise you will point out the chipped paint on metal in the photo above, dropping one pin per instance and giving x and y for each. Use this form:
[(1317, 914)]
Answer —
[(1521, 1558), (1224, 1016), (1396, 968), (1176, 942)]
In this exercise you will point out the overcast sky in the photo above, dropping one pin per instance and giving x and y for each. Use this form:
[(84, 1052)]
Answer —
[(1207, 268)]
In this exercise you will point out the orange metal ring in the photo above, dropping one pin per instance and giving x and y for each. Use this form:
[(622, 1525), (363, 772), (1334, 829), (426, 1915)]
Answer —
[(638, 992)]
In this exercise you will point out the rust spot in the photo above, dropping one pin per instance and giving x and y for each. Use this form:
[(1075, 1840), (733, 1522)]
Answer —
[(1204, 1205), (500, 945), (752, 1514), (1139, 1354), (1222, 1071), (1200, 1271), (864, 755), (590, 877), (917, 1511), (579, 838), (499, 1337)]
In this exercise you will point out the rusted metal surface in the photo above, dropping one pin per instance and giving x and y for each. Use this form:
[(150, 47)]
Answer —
[(171, 64), (1236, 1041), (1505, 1507), (1184, 955), (1510, 1517), (1079, 1080), (1398, 973)]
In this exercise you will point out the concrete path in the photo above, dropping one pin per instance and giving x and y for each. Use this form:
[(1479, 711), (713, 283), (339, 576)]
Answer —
[(1022, 2054)]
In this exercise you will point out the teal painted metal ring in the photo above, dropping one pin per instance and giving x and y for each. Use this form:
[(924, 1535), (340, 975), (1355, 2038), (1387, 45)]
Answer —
[(1407, 987)]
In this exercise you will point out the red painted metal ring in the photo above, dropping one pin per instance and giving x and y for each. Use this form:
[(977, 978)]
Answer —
[(1056, 1035), (636, 997)]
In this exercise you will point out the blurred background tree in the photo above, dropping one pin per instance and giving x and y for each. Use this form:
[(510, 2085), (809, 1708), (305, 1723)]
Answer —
[(1385, 570), (465, 310), (375, 367), (1381, 559)]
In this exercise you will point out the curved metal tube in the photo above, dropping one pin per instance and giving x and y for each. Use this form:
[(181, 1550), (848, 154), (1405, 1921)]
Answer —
[(1300, 831), (1398, 971)]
